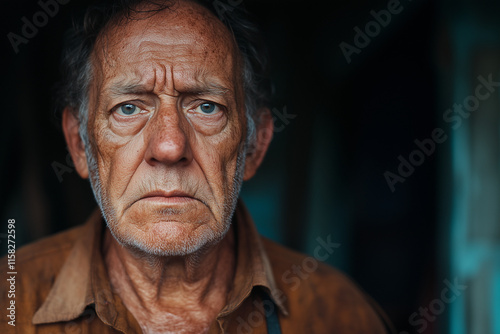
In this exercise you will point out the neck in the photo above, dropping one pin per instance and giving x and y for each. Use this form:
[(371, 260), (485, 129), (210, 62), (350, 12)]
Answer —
[(171, 287)]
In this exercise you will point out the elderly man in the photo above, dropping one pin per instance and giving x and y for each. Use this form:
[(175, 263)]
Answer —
[(165, 112)]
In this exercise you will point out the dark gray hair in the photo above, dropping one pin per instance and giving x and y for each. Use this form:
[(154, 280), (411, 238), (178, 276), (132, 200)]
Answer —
[(76, 68)]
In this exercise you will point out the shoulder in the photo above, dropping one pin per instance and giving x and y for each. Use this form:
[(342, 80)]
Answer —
[(39, 254), (33, 269), (321, 297), (296, 271)]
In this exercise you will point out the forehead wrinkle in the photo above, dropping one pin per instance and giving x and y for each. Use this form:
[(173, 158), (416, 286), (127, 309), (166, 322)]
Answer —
[(152, 50), (203, 81), (209, 89), (127, 88), (168, 78), (198, 86), (141, 80)]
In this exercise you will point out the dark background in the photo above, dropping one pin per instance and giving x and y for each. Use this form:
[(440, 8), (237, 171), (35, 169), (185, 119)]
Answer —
[(324, 173)]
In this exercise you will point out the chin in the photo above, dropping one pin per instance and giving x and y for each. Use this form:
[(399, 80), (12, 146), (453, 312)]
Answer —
[(168, 238)]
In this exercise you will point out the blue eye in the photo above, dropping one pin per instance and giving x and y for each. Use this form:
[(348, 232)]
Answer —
[(128, 109), (208, 108)]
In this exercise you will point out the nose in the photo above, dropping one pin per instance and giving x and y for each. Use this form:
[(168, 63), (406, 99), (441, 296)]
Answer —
[(168, 140)]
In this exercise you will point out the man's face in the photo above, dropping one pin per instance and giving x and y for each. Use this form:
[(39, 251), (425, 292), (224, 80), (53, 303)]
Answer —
[(167, 129)]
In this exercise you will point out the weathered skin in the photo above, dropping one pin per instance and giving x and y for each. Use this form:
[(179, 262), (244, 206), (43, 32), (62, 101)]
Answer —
[(169, 170)]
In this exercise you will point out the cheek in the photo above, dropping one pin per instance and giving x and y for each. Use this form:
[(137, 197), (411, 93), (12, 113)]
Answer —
[(217, 158), (118, 159)]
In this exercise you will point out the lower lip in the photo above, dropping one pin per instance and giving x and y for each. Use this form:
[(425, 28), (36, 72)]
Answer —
[(168, 200)]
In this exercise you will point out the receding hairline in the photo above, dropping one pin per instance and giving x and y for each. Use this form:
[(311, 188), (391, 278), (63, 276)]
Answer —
[(104, 37), (140, 11)]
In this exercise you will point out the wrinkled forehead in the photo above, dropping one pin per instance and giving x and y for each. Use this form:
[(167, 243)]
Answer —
[(185, 38)]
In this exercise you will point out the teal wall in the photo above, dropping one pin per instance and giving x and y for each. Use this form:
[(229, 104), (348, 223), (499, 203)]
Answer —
[(471, 177)]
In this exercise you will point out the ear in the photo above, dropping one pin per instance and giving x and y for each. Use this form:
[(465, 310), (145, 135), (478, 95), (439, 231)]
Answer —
[(264, 136), (71, 125)]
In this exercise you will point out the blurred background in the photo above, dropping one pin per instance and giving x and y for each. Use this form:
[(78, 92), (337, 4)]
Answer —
[(387, 117)]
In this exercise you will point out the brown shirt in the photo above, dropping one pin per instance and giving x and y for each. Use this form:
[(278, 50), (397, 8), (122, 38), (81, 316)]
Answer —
[(62, 286)]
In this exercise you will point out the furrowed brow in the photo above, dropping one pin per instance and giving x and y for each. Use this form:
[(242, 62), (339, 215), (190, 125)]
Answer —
[(204, 83), (140, 89), (207, 89), (119, 89)]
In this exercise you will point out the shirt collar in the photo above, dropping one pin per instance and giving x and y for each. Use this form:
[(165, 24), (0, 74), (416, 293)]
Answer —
[(253, 268), (71, 291), (83, 279)]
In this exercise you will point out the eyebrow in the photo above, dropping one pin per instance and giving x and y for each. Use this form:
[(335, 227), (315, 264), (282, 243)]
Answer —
[(210, 88), (199, 88), (128, 88)]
